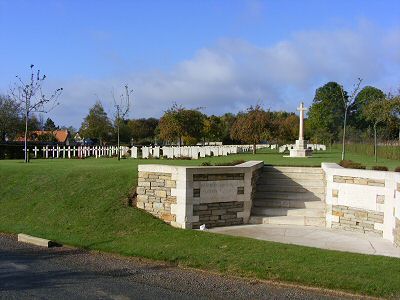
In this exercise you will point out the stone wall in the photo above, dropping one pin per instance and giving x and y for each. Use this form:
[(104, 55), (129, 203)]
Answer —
[(154, 194), (358, 180), (396, 232), (190, 196), (218, 214), (256, 174), (355, 219), (366, 201)]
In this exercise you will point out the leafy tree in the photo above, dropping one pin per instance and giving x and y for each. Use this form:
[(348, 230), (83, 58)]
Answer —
[(252, 126), (10, 119), (395, 111), (96, 124), (143, 130), (285, 127), (178, 123), (365, 96), (49, 125), (124, 132), (34, 123), (214, 128), (228, 120), (325, 115)]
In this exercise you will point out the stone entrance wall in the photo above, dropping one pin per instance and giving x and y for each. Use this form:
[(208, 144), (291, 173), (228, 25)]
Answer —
[(355, 219), (154, 194), (188, 197), (218, 214), (396, 232), (363, 200)]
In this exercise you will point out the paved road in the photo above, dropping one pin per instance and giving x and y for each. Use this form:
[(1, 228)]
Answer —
[(30, 272)]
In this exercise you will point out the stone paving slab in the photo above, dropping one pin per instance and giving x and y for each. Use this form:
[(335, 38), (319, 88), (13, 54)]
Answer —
[(324, 238)]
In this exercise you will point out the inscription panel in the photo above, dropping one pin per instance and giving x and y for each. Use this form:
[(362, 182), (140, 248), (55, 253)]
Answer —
[(218, 177), (218, 190)]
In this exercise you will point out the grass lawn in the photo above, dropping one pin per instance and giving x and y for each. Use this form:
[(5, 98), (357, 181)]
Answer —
[(80, 202)]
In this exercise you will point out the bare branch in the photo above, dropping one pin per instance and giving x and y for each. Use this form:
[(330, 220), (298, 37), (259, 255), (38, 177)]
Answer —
[(30, 97)]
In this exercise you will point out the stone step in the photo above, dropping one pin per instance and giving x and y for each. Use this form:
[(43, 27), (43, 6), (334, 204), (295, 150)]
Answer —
[(279, 211), (308, 196), (295, 175), (298, 182), (289, 188), (288, 203), (304, 170), (288, 220)]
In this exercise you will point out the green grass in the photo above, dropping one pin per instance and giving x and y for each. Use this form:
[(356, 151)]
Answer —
[(80, 202), (390, 152)]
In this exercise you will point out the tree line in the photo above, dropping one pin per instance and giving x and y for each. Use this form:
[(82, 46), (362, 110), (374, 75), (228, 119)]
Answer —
[(183, 126), (363, 114)]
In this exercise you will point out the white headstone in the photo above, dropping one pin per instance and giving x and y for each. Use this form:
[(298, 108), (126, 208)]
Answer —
[(145, 152), (156, 152), (134, 151)]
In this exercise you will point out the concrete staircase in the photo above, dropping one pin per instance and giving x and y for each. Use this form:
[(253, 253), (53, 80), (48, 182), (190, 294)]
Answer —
[(289, 196)]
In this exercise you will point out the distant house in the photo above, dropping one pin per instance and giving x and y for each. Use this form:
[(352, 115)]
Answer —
[(56, 136)]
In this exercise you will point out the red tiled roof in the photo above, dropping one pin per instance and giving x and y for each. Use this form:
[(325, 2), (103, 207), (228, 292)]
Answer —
[(60, 135)]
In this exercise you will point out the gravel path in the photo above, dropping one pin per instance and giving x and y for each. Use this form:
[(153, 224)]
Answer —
[(30, 272)]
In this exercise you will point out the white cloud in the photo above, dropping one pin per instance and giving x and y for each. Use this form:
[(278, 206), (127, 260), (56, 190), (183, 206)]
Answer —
[(235, 74)]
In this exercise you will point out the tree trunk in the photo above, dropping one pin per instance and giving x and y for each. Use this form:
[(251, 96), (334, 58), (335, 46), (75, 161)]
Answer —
[(375, 146), (26, 138), (118, 151), (344, 136), (254, 149)]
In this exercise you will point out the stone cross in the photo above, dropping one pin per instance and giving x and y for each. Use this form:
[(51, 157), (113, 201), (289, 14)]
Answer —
[(36, 151), (301, 109)]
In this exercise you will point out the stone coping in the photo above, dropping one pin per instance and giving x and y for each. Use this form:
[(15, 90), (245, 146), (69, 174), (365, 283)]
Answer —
[(332, 168), (252, 165)]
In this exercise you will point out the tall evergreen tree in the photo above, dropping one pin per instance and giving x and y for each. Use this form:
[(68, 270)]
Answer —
[(49, 125)]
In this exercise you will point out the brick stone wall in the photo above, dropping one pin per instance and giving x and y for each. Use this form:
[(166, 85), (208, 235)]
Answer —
[(218, 214), (360, 220), (254, 177), (396, 232), (154, 194), (359, 180)]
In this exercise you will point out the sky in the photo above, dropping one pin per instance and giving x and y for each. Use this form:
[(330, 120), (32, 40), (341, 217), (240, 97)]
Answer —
[(220, 56)]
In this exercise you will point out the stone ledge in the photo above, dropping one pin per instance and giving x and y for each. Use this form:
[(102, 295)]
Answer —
[(24, 238), (359, 180)]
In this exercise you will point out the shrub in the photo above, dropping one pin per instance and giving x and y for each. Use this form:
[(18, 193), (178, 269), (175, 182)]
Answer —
[(397, 169), (380, 168), (206, 163), (231, 163), (349, 164)]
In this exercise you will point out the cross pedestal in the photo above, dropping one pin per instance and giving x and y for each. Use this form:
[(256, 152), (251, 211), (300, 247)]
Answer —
[(300, 148)]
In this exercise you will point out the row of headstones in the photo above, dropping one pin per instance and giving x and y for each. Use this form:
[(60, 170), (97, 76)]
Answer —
[(314, 147), (80, 151), (193, 152)]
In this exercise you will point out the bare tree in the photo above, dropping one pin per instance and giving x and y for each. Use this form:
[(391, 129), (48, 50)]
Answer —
[(348, 102), (122, 107), (29, 96), (377, 111)]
